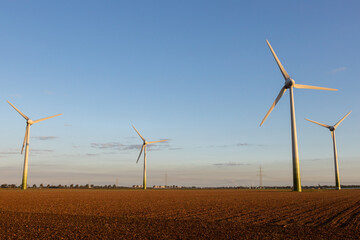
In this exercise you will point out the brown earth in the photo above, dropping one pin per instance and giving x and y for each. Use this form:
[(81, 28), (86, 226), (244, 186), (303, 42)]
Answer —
[(179, 214)]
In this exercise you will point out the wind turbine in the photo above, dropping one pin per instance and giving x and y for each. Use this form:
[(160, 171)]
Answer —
[(145, 143), (332, 130), (290, 84), (29, 122)]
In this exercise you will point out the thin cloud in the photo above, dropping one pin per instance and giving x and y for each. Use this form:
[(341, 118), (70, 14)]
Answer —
[(244, 144), (230, 164), (40, 151), (231, 145), (336, 70), (126, 147), (91, 154), (159, 146), (175, 148), (33, 151), (315, 159), (45, 137), (9, 152), (115, 145)]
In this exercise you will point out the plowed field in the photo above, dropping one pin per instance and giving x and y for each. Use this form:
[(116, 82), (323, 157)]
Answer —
[(179, 214)]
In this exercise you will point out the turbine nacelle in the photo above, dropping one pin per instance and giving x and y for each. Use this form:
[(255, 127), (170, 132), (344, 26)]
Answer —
[(289, 83), (30, 122), (331, 128)]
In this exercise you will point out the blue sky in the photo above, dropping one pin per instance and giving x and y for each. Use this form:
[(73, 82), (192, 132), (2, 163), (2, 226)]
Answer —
[(198, 73)]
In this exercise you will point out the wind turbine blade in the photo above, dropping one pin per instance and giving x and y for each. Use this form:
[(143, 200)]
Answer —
[(25, 138), (321, 124), (24, 116), (282, 91), (313, 87), (142, 147), (337, 124), (42, 119), (138, 133), (282, 69), (157, 141)]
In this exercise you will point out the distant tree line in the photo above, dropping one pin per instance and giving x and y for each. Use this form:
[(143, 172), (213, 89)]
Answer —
[(89, 186), (75, 186)]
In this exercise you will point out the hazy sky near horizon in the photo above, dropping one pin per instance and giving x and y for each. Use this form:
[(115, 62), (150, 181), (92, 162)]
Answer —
[(198, 73)]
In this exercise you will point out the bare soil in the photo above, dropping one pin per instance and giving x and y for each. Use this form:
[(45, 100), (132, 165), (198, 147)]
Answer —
[(179, 214)]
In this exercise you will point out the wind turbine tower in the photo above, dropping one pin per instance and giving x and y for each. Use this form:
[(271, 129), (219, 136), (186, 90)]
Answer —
[(332, 130), (26, 142), (290, 84), (143, 148)]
